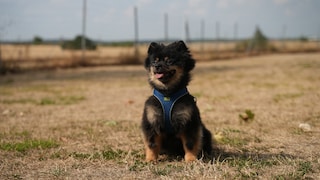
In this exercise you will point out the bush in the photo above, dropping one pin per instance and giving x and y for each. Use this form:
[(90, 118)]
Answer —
[(37, 40), (76, 44), (259, 43)]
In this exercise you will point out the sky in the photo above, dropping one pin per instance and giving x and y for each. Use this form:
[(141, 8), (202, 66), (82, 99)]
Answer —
[(113, 20)]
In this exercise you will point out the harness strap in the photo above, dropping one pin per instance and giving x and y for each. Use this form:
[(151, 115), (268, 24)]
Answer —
[(167, 103)]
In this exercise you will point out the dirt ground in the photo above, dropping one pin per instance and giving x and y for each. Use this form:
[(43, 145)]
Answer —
[(84, 123)]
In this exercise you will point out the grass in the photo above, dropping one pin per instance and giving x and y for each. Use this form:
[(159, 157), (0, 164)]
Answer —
[(287, 96), (85, 123), (27, 145), (40, 94), (60, 100)]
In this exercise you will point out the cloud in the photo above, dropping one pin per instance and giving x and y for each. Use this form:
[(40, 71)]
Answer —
[(223, 3), (197, 7), (280, 2), (142, 3), (228, 3)]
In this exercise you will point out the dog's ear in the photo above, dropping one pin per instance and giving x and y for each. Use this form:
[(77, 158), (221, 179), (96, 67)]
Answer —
[(190, 62), (181, 46), (153, 47)]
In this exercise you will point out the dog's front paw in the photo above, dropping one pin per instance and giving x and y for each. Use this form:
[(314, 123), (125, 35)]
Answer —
[(151, 156), (189, 157)]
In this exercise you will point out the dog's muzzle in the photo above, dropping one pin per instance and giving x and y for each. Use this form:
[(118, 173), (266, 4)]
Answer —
[(163, 72)]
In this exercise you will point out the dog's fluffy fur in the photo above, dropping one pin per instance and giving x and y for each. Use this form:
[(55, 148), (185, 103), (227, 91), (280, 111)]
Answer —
[(169, 71)]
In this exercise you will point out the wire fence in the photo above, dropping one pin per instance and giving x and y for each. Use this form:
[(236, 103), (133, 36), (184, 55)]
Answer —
[(27, 56)]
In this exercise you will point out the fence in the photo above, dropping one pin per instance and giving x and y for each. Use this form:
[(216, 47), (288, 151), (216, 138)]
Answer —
[(26, 56)]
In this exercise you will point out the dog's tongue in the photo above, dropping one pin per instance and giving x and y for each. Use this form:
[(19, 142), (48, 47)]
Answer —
[(158, 75)]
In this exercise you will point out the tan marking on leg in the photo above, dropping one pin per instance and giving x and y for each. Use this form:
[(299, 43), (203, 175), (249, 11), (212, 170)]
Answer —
[(152, 153), (191, 155)]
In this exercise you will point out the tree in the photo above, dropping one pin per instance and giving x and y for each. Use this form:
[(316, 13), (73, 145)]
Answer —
[(37, 40), (75, 44), (260, 41)]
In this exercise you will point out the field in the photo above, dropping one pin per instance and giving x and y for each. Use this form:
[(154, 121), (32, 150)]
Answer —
[(84, 123), (21, 57)]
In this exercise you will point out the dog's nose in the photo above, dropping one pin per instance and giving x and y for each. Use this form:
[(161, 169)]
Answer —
[(158, 66)]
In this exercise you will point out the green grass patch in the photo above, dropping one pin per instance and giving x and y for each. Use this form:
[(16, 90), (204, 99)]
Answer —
[(303, 167), (234, 141), (19, 101), (80, 155), (287, 96), (61, 100), (111, 154), (28, 145), (252, 162), (57, 100), (138, 165), (161, 171), (264, 85), (233, 137)]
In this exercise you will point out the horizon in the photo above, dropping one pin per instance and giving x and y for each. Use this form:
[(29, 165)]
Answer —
[(114, 21)]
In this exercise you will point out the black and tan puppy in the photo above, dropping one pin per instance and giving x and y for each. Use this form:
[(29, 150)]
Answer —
[(171, 121)]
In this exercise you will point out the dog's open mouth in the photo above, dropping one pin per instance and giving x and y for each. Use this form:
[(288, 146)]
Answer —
[(164, 75)]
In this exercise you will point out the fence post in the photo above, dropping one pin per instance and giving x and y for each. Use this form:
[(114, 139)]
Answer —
[(202, 30), (217, 36), (186, 28), (136, 33), (83, 39), (166, 27)]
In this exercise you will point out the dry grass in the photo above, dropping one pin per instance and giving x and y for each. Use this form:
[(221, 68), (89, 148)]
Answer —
[(28, 57), (84, 123)]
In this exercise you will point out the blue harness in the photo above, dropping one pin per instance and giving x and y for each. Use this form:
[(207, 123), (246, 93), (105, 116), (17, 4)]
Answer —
[(167, 104)]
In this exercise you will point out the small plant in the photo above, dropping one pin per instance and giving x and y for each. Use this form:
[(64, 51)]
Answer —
[(137, 166), (304, 167), (111, 154), (77, 155), (247, 116)]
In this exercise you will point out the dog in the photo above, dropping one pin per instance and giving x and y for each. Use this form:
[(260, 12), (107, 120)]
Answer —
[(171, 122)]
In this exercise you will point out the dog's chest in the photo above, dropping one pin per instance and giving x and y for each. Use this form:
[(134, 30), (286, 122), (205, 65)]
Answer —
[(172, 109)]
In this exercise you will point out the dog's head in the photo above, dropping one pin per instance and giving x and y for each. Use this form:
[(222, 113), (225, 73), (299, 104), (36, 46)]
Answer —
[(169, 66)]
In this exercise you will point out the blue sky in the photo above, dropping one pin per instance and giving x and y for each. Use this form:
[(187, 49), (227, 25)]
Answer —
[(111, 20)]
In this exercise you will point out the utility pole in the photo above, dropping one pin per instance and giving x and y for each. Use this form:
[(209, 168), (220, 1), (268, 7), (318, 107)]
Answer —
[(83, 39), (217, 35), (136, 33), (166, 38), (284, 31), (186, 26), (318, 38), (202, 36), (235, 32), (235, 36)]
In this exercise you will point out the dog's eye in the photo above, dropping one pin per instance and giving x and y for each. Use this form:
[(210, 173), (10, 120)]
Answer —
[(168, 60)]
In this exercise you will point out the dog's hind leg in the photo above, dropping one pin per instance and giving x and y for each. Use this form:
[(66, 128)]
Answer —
[(152, 148)]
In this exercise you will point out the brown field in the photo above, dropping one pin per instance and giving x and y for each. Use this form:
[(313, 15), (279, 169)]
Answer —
[(84, 123), (26, 56)]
